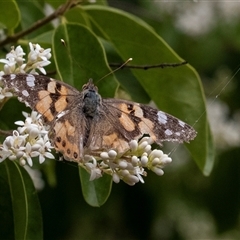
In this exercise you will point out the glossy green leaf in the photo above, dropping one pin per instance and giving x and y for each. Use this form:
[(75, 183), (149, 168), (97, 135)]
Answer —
[(95, 192), (55, 3), (82, 58), (31, 12), (77, 15), (44, 39), (177, 91), (27, 216), (211, 154), (9, 19)]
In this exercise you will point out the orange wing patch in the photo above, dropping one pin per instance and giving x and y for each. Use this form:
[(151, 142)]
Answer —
[(61, 104), (112, 141), (63, 131), (146, 125), (43, 106)]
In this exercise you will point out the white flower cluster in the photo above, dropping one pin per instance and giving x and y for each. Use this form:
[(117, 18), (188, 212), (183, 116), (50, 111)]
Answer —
[(28, 141), (38, 58), (31, 138), (129, 167), (14, 62)]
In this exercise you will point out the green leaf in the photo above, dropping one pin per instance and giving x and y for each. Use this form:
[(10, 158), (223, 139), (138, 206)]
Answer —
[(6, 212), (98, 2), (82, 58), (9, 109), (211, 155), (95, 192), (77, 15), (9, 18), (44, 39), (31, 12), (55, 3), (177, 91), (25, 204)]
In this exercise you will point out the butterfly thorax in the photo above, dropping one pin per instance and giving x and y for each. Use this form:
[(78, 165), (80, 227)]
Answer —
[(91, 101)]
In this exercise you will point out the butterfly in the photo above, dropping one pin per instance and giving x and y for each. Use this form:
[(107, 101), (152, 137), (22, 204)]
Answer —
[(82, 122)]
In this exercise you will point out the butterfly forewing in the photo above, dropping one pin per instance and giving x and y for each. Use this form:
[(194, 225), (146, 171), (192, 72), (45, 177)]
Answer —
[(43, 94)]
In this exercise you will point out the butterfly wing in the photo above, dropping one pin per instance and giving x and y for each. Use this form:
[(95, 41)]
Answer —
[(54, 100), (136, 119), (43, 94), (68, 135)]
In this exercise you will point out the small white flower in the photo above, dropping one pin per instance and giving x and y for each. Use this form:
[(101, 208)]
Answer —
[(128, 178), (4, 93), (140, 172), (4, 152), (44, 149), (14, 61), (29, 141), (27, 154), (115, 177), (92, 167), (38, 58), (112, 154), (133, 145)]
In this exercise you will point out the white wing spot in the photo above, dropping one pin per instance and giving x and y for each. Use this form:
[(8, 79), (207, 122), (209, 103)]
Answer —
[(25, 93), (162, 117), (30, 80), (61, 114), (177, 133), (181, 123), (168, 132), (12, 76)]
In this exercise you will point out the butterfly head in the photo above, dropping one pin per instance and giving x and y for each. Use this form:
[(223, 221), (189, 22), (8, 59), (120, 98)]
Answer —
[(90, 86)]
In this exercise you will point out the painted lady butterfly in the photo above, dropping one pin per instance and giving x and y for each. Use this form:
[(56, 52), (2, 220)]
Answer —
[(83, 123)]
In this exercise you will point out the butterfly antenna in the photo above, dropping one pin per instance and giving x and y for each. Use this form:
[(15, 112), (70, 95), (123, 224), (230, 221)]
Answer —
[(130, 59), (68, 52), (125, 63)]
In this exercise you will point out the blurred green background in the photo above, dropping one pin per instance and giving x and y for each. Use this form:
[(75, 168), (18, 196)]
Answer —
[(182, 204)]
